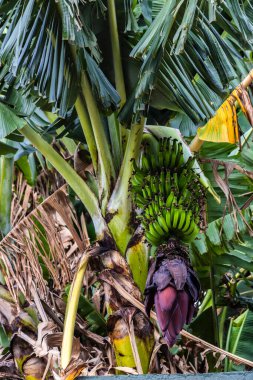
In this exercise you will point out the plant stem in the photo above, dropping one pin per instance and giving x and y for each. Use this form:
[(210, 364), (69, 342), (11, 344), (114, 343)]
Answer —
[(196, 144), (71, 311), (72, 178), (119, 206), (87, 130), (221, 325), (116, 140), (227, 361), (215, 317), (6, 171), (117, 63), (206, 302), (105, 164)]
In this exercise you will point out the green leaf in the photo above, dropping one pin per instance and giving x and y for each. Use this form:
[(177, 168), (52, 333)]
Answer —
[(240, 336), (9, 121), (6, 149), (27, 165), (184, 124), (4, 340)]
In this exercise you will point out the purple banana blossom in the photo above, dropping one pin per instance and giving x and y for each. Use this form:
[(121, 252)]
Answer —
[(173, 287)]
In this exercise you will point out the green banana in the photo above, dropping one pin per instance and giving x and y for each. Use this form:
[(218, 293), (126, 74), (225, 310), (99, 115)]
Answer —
[(161, 187), (180, 155), (168, 192), (151, 210), (168, 218), (167, 154), (145, 163), (162, 223), (160, 160), (188, 238), (153, 162), (176, 215), (153, 186), (153, 231), (162, 179), (140, 200), (189, 164), (155, 204), (183, 179), (188, 220), (158, 228), (145, 194), (174, 153), (182, 218), (191, 228), (152, 239), (167, 183), (160, 201), (148, 191), (175, 179), (147, 215), (170, 199)]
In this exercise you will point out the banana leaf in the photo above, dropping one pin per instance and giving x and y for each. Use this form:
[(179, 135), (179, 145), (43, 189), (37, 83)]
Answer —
[(239, 338)]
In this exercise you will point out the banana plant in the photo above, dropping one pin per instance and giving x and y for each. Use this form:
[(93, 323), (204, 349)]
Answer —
[(51, 57)]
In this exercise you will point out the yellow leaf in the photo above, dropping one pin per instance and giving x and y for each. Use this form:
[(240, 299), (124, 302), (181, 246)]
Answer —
[(223, 127)]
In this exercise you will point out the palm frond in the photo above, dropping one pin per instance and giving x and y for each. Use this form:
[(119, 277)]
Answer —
[(192, 62), (38, 232), (37, 55)]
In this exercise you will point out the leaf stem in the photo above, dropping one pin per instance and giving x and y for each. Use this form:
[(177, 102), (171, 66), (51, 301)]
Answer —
[(227, 361), (72, 178), (71, 312), (6, 172), (222, 324), (105, 164), (119, 205), (117, 63), (87, 130), (215, 317)]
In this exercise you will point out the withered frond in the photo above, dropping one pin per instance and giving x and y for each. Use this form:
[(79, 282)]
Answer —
[(51, 240)]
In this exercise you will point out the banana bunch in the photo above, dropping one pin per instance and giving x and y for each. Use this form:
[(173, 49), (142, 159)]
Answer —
[(169, 194)]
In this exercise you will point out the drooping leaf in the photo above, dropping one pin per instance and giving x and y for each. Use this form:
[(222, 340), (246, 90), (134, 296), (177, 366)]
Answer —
[(27, 165), (9, 121), (5, 148)]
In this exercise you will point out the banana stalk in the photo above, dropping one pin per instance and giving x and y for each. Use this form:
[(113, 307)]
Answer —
[(6, 177), (71, 312)]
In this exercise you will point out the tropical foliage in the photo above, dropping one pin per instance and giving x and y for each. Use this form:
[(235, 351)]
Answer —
[(106, 97)]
